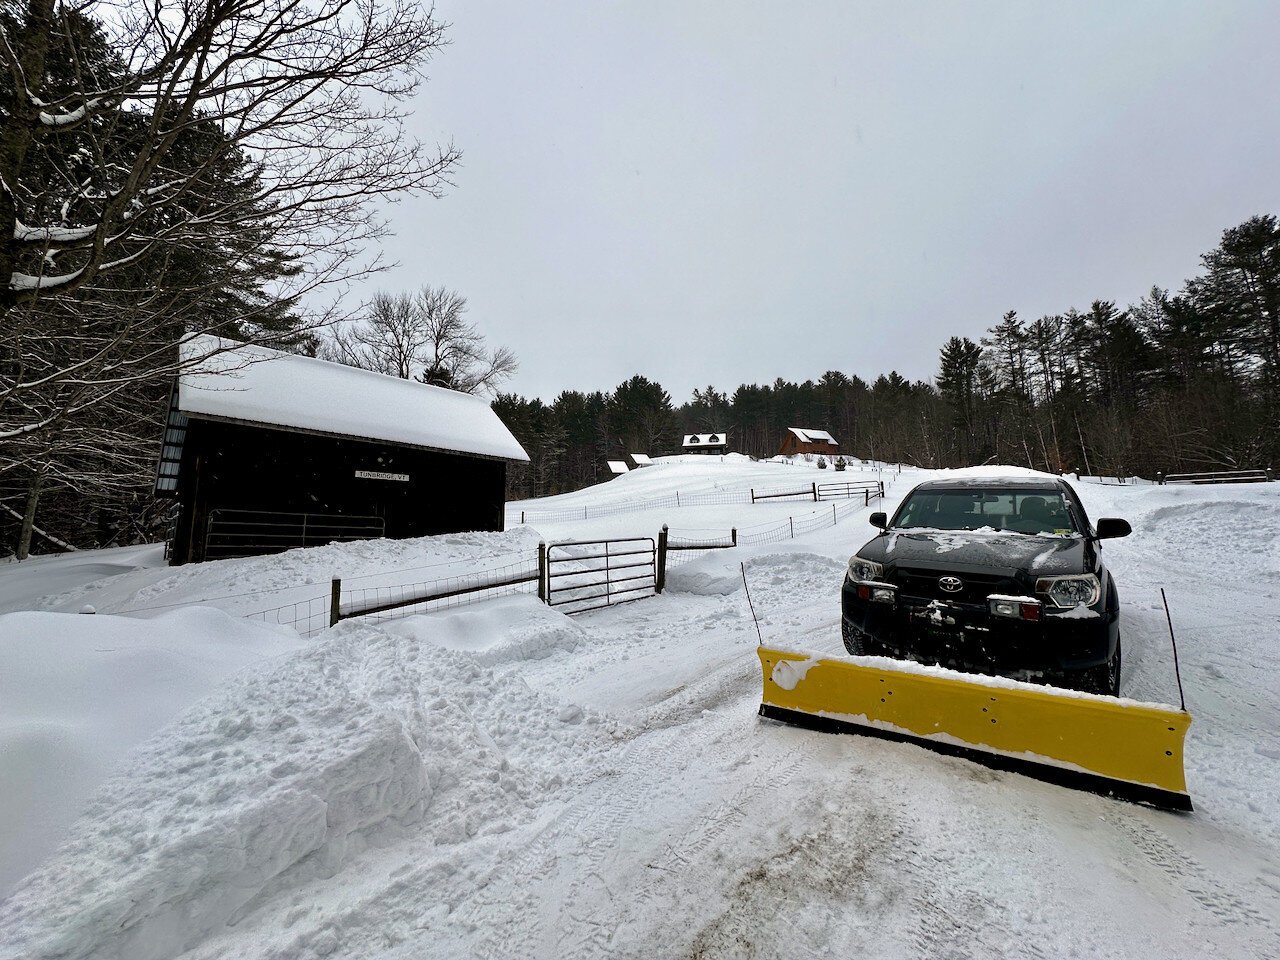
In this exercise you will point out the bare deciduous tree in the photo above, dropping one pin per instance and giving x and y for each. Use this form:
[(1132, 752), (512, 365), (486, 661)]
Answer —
[(305, 89), (426, 337)]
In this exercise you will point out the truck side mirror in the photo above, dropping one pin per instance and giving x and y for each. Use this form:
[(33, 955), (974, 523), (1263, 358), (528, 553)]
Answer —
[(881, 521), (1111, 527)]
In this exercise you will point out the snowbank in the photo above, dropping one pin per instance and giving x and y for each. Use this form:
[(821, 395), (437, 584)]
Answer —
[(77, 693), (284, 775)]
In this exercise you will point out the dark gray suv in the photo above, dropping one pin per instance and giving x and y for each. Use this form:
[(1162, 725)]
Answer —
[(990, 575)]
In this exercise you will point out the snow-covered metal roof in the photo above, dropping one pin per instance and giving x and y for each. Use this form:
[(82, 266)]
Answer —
[(717, 439), (642, 460), (805, 435), (254, 384), (618, 466)]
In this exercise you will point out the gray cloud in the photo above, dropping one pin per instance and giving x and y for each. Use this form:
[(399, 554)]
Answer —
[(715, 193)]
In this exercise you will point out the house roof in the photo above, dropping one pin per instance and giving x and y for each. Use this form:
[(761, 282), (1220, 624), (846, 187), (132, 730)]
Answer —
[(257, 385), (618, 466), (805, 435), (715, 439)]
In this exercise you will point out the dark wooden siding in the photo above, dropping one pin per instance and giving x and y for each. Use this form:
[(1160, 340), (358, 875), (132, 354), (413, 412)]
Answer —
[(792, 445), (237, 467)]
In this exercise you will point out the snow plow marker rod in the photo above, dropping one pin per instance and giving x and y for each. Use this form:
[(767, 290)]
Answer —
[(1115, 748)]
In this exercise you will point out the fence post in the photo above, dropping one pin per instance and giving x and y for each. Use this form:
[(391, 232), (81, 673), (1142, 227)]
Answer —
[(815, 491), (335, 602), (792, 521), (522, 517), (660, 568), (753, 494), (677, 498), (733, 535), (543, 580), (833, 514)]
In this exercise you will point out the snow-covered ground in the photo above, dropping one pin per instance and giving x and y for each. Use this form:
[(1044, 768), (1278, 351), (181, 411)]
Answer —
[(499, 780)]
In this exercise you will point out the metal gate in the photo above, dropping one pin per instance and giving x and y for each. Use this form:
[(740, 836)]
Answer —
[(589, 574), (867, 490), (249, 533)]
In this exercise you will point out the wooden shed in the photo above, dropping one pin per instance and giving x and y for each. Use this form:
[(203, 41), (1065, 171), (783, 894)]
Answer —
[(803, 440), (714, 442), (265, 451)]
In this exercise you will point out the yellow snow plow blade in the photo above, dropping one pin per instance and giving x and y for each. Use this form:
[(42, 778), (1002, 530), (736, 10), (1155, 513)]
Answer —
[(1110, 746)]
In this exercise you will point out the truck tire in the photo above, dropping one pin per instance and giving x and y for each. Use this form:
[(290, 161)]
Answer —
[(1105, 677)]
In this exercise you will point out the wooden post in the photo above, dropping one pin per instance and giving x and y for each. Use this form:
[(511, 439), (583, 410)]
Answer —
[(660, 569), (544, 581), (733, 534), (815, 491), (792, 521), (335, 602), (833, 514)]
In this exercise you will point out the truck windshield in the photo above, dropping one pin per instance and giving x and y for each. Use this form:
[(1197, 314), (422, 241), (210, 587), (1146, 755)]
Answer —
[(1019, 511)]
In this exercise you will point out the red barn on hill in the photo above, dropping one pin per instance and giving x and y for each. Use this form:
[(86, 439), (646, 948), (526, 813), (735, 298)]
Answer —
[(803, 440)]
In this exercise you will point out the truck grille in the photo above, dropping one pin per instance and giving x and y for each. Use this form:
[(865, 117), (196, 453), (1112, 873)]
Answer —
[(917, 582)]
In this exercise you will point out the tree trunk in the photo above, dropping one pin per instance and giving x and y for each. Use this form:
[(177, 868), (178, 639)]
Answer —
[(29, 514)]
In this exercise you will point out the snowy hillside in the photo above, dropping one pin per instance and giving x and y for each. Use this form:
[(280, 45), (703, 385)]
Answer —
[(499, 780)]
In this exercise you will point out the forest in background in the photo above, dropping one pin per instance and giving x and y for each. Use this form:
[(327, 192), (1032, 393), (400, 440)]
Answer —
[(1179, 381)]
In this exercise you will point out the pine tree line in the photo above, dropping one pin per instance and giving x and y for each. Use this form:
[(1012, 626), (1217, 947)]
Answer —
[(1176, 382)]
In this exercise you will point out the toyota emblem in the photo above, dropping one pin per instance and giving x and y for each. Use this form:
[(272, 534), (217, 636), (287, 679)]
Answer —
[(951, 584)]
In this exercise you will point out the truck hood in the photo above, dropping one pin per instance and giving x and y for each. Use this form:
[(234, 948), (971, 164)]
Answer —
[(973, 550)]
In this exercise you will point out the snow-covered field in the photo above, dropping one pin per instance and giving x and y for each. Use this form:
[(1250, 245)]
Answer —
[(499, 780)]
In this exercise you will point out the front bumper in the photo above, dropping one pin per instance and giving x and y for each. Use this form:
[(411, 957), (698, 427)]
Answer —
[(966, 636)]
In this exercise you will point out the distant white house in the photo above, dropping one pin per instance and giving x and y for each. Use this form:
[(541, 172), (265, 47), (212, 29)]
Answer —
[(717, 442)]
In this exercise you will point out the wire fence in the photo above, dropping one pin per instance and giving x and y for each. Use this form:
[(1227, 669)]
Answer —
[(1117, 481), (824, 490), (309, 617), (692, 547), (313, 615), (407, 599)]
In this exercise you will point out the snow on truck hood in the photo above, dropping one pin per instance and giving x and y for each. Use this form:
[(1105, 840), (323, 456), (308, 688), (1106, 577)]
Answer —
[(1043, 554)]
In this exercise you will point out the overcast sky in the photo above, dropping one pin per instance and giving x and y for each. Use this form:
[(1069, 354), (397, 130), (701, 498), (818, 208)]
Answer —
[(718, 193)]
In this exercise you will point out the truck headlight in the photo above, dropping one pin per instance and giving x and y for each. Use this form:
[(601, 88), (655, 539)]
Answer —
[(1066, 593), (860, 569)]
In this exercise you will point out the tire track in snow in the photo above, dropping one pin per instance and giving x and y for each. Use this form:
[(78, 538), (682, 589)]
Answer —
[(1211, 894), (568, 918), (692, 845), (579, 838)]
